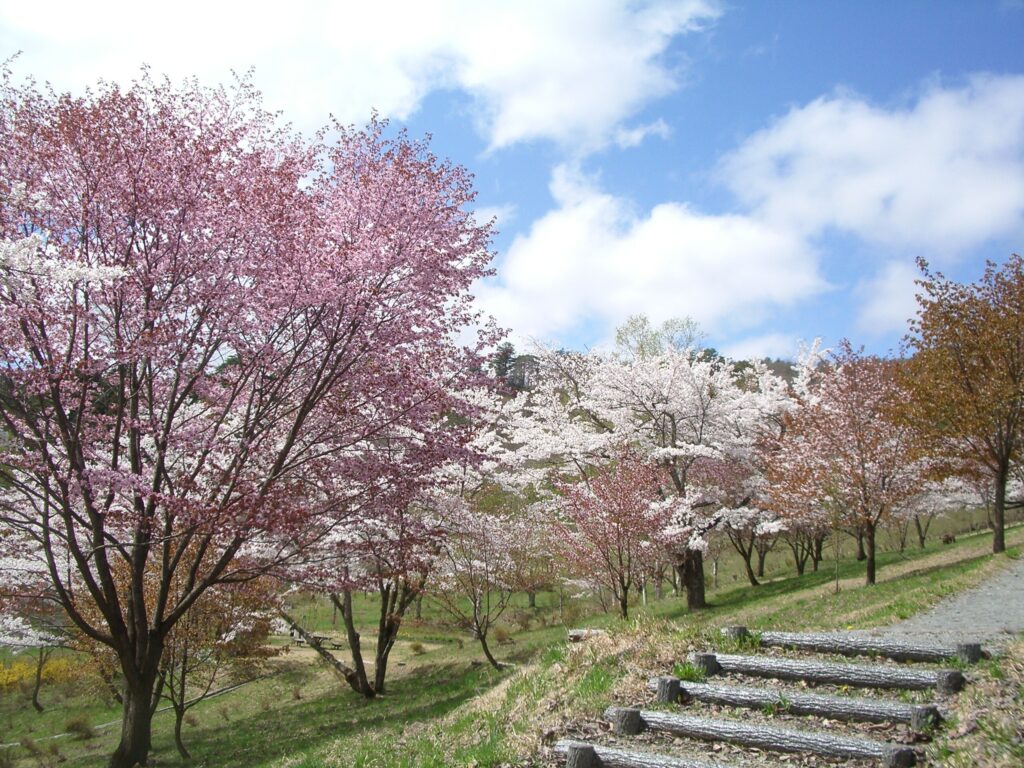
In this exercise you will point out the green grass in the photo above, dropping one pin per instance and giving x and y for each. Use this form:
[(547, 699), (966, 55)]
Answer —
[(444, 707)]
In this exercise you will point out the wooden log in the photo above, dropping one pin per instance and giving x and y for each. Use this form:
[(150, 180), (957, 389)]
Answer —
[(918, 716), (850, 645), (626, 721), (667, 689), (777, 739), (859, 675), (610, 757), (579, 635), (581, 756)]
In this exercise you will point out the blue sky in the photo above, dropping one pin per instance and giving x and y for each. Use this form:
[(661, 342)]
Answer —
[(771, 169)]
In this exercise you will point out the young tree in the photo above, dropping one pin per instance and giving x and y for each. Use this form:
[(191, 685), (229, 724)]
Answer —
[(612, 534), (480, 566), (204, 322), (966, 376), (844, 450)]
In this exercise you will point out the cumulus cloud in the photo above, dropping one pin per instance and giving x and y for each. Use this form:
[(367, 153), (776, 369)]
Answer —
[(943, 174), (571, 71), (888, 299), (594, 259)]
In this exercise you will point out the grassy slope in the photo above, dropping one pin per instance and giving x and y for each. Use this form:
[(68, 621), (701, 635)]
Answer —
[(444, 708)]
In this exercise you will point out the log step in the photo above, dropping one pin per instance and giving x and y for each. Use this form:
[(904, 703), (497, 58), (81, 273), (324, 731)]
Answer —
[(849, 645), (579, 754), (762, 736), (859, 675), (919, 717)]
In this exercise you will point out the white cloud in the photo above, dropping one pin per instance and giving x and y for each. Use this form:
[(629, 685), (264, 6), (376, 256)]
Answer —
[(502, 214), (888, 299), (773, 345), (943, 174), (634, 137), (594, 260), (572, 71)]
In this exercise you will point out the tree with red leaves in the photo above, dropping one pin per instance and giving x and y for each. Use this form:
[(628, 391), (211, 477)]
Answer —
[(615, 524), (966, 376), (218, 343)]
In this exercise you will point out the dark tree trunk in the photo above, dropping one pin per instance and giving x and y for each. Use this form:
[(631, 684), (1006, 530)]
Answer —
[(861, 554), (179, 716), (869, 543), (624, 603), (750, 572), (487, 651), (396, 597), (999, 510), (360, 683), (817, 557), (531, 599), (44, 653), (922, 531), (692, 576), (761, 555), (799, 545), (419, 606), (136, 721), (743, 542)]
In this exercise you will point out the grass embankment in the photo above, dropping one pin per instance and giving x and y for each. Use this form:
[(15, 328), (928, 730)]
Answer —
[(445, 708)]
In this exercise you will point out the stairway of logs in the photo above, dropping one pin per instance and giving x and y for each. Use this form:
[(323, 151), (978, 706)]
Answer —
[(732, 681)]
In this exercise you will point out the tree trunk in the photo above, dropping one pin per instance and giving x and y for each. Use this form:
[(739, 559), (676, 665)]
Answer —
[(624, 604), (179, 716), (999, 510), (487, 651), (531, 599), (362, 683), (818, 556), (396, 597), (692, 576), (749, 569), (343, 671), (761, 555), (43, 655), (921, 531), (869, 542), (861, 554), (136, 721)]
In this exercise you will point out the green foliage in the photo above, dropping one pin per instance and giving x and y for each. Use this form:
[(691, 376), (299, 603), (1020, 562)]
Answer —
[(687, 672)]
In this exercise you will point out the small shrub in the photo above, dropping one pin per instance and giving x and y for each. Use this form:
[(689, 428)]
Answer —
[(417, 648), (191, 719), (502, 636), (296, 693), (80, 727)]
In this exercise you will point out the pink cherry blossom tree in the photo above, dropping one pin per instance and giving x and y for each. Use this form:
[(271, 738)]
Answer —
[(685, 412), (206, 324), (613, 532), (846, 451)]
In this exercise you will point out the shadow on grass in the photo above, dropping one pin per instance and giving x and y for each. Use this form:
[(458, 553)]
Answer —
[(261, 737)]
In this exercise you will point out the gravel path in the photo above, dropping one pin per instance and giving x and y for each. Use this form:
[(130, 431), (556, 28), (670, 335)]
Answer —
[(992, 613)]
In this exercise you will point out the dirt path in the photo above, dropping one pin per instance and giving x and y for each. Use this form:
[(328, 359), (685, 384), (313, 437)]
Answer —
[(992, 612)]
